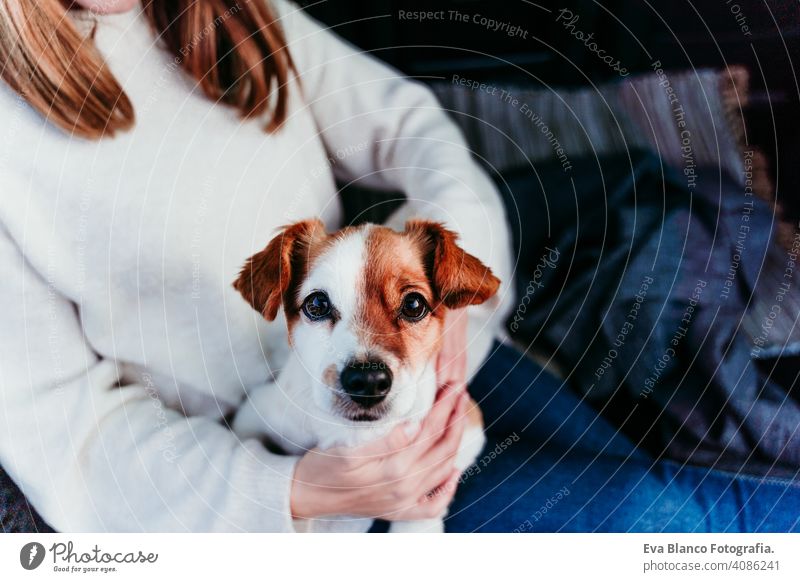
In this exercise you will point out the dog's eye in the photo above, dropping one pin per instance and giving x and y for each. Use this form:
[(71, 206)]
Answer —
[(317, 306), (414, 307)]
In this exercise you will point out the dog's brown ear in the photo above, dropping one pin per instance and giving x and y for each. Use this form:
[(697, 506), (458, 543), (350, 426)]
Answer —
[(459, 279), (267, 276)]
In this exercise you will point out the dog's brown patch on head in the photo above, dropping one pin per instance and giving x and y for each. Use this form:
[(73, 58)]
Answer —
[(394, 268), (271, 277), (459, 279), (424, 259)]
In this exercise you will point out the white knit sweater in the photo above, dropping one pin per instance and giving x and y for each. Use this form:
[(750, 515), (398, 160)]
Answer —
[(122, 342)]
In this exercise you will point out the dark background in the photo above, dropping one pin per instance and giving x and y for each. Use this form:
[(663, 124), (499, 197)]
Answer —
[(681, 34)]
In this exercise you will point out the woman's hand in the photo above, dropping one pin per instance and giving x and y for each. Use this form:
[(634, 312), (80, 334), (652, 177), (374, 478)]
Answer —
[(403, 476), (451, 364)]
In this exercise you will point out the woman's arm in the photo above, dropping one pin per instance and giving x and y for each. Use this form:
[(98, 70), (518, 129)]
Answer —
[(390, 133), (92, 456)]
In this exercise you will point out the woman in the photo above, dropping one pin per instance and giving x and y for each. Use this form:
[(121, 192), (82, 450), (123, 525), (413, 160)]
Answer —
[(147, 150), (138, 174)]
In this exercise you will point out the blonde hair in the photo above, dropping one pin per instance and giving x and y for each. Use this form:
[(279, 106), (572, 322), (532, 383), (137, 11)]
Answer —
[(236, 53)]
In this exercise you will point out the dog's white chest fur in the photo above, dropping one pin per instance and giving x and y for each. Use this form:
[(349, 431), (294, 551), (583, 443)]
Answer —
[(285, 414)]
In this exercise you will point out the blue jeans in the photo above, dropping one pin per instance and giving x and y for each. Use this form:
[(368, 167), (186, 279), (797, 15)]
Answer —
[(552, 464)]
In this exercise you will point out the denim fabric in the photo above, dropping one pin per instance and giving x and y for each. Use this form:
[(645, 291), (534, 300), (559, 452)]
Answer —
[(654, 292), (566, 469), (552, 464)]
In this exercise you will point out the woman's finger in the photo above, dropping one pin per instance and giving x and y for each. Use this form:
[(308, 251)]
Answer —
[(434, 428), (398, 440), (447, 447), (446, 490), (436, 476), (451, 362), (437, 458), (434, 504), (438, 418)]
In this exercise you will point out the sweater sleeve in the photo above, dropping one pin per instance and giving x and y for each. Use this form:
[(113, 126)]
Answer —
[(389, 132), (92, 455)]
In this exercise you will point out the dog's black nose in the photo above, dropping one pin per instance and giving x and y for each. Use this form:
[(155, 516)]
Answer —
[(366, 383)]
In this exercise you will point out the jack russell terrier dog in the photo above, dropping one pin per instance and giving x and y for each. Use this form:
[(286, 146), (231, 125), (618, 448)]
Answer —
[(365, 309)]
